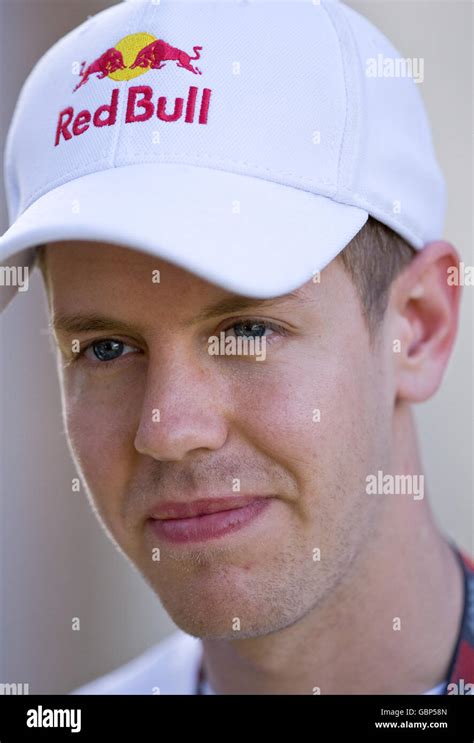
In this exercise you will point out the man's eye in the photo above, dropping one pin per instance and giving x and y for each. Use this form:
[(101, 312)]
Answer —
[(251, 328), (107, 350)]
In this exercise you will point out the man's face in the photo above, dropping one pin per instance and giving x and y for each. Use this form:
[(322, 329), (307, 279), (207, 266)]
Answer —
[(153, 419)]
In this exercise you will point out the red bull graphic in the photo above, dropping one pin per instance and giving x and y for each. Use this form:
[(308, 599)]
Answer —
[(136, 54), (155, 55), (109, 61)]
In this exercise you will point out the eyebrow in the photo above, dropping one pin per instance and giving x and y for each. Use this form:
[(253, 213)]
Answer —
[(237, 303), (92, 322), (87, 323)]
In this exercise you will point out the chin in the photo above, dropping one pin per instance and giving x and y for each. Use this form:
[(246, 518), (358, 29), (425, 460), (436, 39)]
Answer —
[(226, 617), (212, 627)]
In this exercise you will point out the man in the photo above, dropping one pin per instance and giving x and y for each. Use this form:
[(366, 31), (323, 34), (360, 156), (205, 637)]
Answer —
[(249, 292)]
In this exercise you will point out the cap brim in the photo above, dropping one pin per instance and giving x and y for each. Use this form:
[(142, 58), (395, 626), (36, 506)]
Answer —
[(245, 234)]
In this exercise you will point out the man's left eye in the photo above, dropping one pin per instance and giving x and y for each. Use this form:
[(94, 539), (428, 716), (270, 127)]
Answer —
[(250, 328), (107, 350)]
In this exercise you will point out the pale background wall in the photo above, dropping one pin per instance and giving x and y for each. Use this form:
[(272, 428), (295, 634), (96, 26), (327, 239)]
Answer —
[(56, 562)]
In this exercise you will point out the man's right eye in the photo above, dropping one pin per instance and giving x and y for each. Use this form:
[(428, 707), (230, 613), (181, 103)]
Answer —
[(106, 350)]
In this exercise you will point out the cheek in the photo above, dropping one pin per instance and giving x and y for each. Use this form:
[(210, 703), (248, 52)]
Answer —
[(101, 423), (307, 404), (315, 414)]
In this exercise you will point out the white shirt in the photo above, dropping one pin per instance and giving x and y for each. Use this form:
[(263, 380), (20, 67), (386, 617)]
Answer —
[(170, 667)]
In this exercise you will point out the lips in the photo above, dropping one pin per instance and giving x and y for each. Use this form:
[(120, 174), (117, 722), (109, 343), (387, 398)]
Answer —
[(206, 519)]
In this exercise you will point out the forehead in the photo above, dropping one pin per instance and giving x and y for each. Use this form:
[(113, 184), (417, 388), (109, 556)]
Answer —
[(66, 259), (93, 257), (94, 270), (100, 277)]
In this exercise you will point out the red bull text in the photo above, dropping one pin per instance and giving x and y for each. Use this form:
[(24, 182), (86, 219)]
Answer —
[(140, 107)]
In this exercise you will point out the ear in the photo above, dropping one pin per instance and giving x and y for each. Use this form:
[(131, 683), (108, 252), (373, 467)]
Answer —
[(424, 315)]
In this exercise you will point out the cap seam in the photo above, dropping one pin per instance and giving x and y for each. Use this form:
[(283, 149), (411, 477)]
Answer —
[(407, 227), (185, 155), (341, 146), (132, 20)]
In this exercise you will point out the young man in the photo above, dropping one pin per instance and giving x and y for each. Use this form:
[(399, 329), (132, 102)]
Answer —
[(248, 291)]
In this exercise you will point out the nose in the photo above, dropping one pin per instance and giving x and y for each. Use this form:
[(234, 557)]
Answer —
[(182, 412)]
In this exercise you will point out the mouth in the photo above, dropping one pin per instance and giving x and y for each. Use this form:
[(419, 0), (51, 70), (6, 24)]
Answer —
[(203, 520)]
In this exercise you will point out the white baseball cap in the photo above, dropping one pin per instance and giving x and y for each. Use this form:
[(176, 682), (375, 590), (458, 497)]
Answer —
[(246, 142)]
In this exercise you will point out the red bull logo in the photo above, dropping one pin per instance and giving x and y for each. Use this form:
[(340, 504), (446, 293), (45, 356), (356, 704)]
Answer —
[(155, 55), (109, 61), (134, 55)]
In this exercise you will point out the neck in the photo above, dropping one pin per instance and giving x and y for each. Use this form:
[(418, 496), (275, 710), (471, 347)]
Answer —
[(389, 627)]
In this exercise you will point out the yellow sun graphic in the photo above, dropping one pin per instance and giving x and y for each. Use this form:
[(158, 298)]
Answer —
[(130, 46)]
